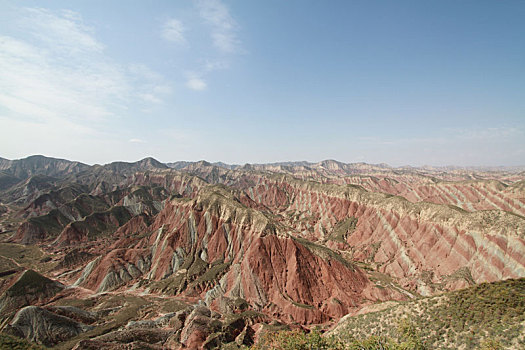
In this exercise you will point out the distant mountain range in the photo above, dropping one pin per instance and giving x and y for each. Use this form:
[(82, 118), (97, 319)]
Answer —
[(38, 164)]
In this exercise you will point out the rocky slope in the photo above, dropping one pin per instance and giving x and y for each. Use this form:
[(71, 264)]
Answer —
[(40, 165), (202, 255), (466, 189), (425, 246), (28, 288), (461, 319), (43, 326), (213, 247)]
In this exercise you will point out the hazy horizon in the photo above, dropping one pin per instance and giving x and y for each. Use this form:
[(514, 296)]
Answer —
[(436, 83), (277, 162)]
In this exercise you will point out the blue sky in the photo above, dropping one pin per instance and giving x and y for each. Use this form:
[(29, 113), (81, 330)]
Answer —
[(399, 82)]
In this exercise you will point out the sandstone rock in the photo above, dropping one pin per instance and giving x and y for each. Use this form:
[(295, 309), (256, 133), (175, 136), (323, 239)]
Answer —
[(199, 325)]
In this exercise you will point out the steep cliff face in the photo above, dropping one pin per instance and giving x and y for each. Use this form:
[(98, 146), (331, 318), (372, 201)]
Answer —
[(426, 247), (306, 284)]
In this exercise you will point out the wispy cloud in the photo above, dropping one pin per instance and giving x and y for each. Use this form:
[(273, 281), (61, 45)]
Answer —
[(58, 86), (224, 27), (149, 98), (173, 30), (37, 84), (196, 83), (59, 70), (211, 66), (68, 26), (214, 17), (149, 86), (136, 141)]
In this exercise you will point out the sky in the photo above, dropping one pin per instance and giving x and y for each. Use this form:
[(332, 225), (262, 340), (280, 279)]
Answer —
[(398, 82)]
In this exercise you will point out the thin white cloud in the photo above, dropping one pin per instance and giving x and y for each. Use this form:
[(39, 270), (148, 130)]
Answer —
[(57, 69), (37, 83), (68, 26), (211, 66), (150, 98), (136, 141), (60, 93), (197, 84), (173, 30), (143, 71), (224, 27)]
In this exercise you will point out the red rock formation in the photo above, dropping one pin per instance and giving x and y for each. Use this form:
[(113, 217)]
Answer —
[(405, 239), (275, 273), (289, 249)]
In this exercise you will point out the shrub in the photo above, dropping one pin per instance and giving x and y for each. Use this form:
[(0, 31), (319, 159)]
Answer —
[(491, 344)]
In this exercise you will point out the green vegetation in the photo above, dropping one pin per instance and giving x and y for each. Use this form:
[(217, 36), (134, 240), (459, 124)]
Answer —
[(7, 264), (406, 337), (409, 339), (197, 271), (80, 303), (14, 343), (51, 223), (322, 251), (295, 340), (127, 307), (86, 204), (170, 305), (464, 318), (28, 256), (462, 273), (343, 229), (32, 283), (304, 306), (214, 273), (197, 268)]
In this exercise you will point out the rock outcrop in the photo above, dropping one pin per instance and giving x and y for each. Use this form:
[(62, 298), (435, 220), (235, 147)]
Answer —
[(43, 326)]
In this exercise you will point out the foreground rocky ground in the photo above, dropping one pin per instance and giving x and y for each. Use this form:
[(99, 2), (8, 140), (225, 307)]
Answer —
[(195, 255)]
